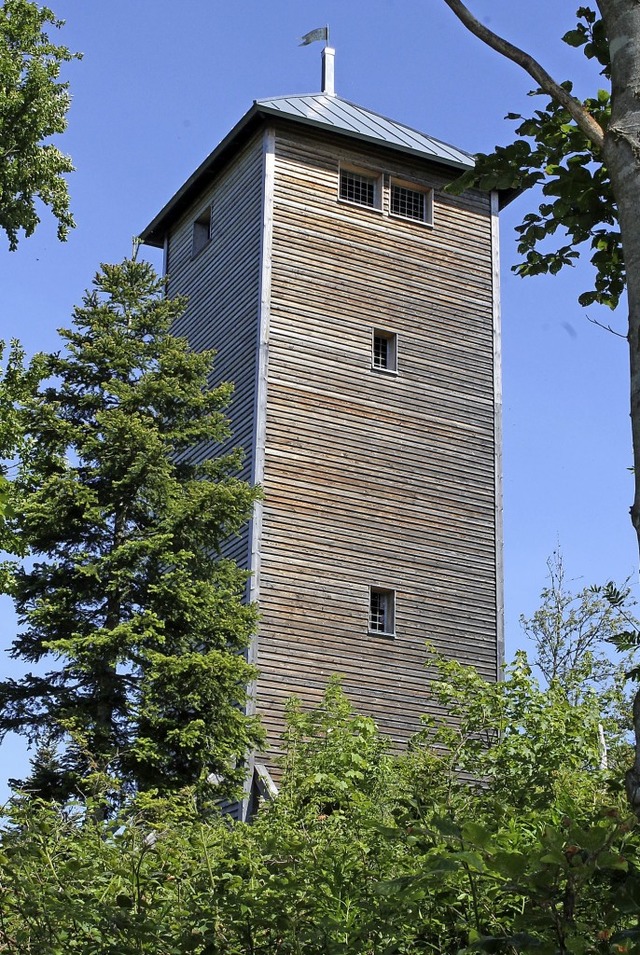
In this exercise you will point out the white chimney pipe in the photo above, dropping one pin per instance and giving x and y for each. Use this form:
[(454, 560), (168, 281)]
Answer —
[(328, 71)]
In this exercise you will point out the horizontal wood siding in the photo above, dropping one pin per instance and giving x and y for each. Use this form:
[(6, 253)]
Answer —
[(222, 285), (373, 478)]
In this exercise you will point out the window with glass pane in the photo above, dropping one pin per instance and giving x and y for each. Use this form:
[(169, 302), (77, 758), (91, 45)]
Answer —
[(384, 350), (357, 188), (410, 203), (381, 610)]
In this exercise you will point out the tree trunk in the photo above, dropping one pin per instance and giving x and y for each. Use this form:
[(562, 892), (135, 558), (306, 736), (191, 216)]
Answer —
[(621, 153), (620, 147)]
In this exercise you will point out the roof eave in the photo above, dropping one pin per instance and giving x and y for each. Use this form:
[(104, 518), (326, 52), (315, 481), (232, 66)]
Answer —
[(154, 233), (354, 134), (505, 196)]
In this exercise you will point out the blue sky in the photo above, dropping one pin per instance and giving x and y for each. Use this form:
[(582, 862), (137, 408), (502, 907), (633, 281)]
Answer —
[(162, 82)]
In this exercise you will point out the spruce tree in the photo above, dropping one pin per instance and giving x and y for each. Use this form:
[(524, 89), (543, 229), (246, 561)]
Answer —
[(135, 627)]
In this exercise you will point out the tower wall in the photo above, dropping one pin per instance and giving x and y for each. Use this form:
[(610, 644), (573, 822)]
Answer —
[(222, 284), (371, 478)]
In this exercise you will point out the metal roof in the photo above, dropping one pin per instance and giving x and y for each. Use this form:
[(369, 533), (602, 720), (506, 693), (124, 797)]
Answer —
[(341, 116)]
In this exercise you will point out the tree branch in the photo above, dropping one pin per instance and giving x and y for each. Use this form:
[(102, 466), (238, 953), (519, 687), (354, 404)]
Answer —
[(592, 130), (607, 328)]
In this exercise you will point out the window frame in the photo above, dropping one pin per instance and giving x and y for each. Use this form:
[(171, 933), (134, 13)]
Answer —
[(374, 175), (389, 623), (391, 368), (426, 191), (201, 233)]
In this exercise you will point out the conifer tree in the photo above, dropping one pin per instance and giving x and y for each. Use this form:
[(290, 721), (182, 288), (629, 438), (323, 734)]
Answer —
[(134, 626)]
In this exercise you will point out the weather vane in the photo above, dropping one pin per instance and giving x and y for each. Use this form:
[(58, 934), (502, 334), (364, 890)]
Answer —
[(320, 33)]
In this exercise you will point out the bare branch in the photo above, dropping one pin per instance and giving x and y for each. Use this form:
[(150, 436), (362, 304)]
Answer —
[(592, 130), (607, 328)]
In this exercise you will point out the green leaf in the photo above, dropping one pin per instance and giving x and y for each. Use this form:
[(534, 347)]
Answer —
[(477, 834), (510, 864), (576, 37)]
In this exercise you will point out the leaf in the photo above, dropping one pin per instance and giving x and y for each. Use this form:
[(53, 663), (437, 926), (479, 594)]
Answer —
[(576, 37), (513, 865), (446, 826), (612, 860), (477, 834)]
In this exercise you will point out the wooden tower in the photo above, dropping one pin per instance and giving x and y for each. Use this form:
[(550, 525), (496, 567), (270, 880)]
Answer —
[(355, 306)]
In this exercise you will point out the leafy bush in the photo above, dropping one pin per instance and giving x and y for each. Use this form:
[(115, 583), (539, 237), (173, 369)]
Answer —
[(498, 831)]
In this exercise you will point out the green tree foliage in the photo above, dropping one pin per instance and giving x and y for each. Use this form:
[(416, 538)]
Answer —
[(572, 633), (496, 832), (526, 841), (33, 107), (585, 155), (519, 742), (552, 151), (581, 644), (133, 626), (17, 383)]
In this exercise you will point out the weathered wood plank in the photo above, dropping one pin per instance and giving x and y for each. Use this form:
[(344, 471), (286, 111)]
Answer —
[(369, 478), (373, 478), (222, 285)]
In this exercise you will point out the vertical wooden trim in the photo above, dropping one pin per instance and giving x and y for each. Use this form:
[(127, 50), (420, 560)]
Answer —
[(260, 408), (165, 257), (262, 345), (497, 386)]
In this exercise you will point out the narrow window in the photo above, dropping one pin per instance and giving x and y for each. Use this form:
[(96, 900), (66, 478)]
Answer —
[(358, 188), (382, 610), (201, 231), (411, 203), (384, 356)]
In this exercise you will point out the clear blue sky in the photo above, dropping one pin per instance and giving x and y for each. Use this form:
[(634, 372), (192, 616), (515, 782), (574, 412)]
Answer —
[(162, 82)]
